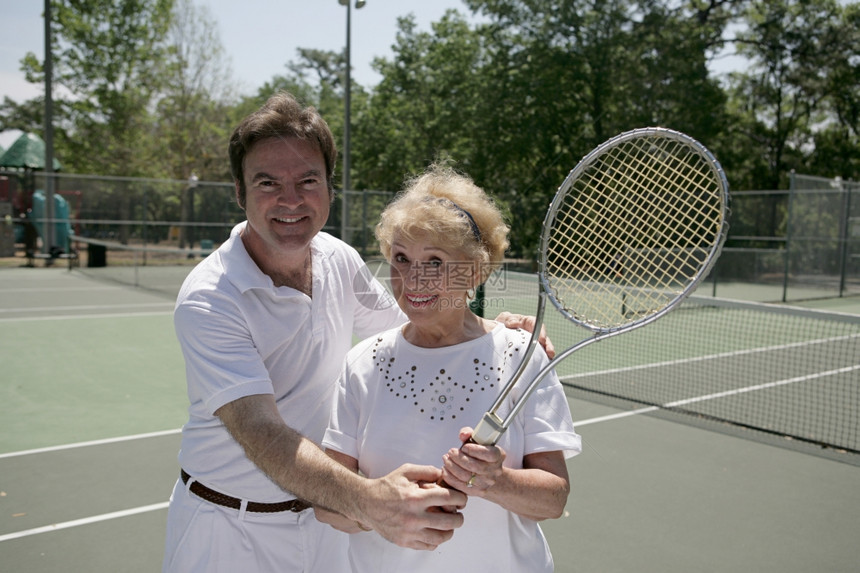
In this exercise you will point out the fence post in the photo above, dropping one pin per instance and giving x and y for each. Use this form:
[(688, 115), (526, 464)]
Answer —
[(845, 222), (787, 262), (364, 224)]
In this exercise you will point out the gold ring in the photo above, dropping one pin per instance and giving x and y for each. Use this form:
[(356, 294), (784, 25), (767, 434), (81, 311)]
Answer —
[(471, 481)]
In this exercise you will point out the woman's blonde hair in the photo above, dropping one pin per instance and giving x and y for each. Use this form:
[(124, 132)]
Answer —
[(449, 209)]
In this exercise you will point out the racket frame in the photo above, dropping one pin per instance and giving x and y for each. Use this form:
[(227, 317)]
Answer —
[(491, 427)]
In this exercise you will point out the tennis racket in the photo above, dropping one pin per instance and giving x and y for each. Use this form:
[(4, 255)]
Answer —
[(630, 233)]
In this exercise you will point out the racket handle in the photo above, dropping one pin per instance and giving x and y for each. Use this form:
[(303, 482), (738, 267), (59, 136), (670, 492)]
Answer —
[(489, 430)]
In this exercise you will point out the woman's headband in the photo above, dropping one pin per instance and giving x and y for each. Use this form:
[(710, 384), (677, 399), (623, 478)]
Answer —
[(476, 232)]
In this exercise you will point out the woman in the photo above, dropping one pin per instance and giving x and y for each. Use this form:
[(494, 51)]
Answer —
[(406, 395)]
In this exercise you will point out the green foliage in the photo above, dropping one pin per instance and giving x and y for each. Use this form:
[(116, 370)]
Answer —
[(514, 100), (193, 106), (423, 108), (108, 62), (803, 57)]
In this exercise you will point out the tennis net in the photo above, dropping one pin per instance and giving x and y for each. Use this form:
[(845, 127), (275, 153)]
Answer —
[(786, 372), (148, 266)]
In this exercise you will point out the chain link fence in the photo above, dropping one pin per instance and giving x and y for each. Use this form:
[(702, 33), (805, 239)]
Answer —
[(783, 245), (799, 244), (158, 212)]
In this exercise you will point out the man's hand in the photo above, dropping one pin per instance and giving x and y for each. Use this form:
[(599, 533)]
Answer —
[(404, 507), (527, 323), (338, 521)]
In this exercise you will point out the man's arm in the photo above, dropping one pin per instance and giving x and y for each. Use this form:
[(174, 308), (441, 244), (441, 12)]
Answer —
[(336, 520), (399, 506)]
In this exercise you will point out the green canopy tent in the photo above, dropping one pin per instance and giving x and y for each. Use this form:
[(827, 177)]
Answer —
[(28, 153)]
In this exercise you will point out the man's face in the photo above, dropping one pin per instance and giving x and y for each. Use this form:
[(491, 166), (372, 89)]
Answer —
[(287, 198)]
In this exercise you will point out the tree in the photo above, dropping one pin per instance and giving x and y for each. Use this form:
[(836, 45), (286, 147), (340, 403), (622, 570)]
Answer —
[(798, 50), (197, 91), (191, 114), (544, 81), (423, 108), (107, 68), (837, 144), (518, 99), (672, 48), (25, 116)]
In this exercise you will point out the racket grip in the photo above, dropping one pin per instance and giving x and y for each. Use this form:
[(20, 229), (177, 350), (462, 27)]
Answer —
[(489, 430)]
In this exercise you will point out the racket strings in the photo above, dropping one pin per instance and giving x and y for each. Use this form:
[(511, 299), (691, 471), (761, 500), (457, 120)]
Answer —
[(632, 232)]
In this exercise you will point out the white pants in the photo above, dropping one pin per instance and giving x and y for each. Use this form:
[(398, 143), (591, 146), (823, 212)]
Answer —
[(206, 538)]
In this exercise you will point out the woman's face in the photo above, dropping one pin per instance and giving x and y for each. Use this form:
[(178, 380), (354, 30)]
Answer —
[(430, 279)]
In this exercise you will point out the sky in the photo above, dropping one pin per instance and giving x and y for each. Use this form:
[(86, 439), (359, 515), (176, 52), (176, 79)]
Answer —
[(259, 37)]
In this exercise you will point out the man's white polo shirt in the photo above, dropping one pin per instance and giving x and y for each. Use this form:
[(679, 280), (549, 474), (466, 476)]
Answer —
[(243, 336)]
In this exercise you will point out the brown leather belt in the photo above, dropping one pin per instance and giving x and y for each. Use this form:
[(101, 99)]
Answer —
[(210, 495)]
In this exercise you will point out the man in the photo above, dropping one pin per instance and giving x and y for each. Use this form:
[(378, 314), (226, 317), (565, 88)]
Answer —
[(264, 324)]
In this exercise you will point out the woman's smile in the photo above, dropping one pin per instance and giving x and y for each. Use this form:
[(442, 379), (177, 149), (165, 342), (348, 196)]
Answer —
[(421, 300)]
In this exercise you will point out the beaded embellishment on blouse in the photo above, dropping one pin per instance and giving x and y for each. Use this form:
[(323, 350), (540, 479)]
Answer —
[(437, 394)]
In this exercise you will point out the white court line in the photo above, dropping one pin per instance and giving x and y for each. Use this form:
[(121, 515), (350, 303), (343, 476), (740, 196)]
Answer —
[(55, 289), (91, 443), (714, 396), (124, 306), (614, 416), (164, 505), (764, 386), (84, 521), (159, 506), (730, 354), (95, 518), (88, 316)]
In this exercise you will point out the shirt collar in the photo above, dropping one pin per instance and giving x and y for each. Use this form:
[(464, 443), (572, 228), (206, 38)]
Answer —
[(241, 270)]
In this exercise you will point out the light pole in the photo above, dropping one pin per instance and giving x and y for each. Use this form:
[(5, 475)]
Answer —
[(50, 182), (193, 179), (347, 89)]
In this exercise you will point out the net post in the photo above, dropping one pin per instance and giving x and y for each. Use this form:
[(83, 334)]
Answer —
[(477, 305)]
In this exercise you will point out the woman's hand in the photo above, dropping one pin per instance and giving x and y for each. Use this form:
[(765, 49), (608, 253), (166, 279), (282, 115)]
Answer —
[(472, 468), (537, 491)]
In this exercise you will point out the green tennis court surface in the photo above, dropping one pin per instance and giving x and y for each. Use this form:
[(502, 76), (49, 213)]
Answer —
[(92, 397)]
